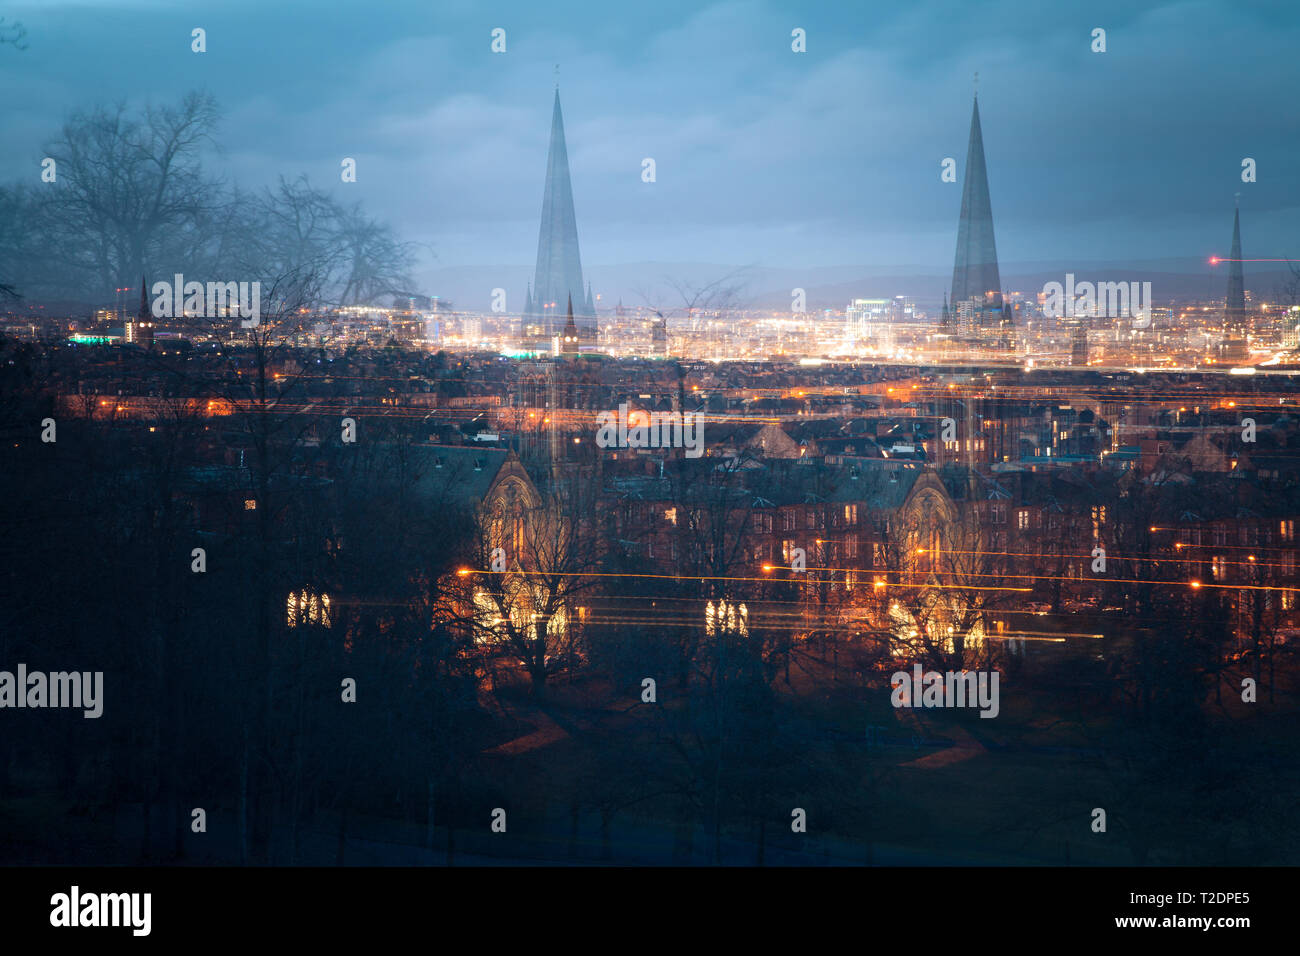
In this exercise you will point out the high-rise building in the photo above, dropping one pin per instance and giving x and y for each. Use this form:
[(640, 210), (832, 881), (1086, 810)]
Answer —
[(865, 321), (558, 276), (975, 278), (659, 336), (966, 318), (1079, 343), (901, 313), (1291, 327)]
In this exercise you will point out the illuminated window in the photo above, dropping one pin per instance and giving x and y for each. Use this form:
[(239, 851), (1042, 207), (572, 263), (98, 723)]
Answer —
[(306, 607), (250, 504), (1287, 530), (725, 617)]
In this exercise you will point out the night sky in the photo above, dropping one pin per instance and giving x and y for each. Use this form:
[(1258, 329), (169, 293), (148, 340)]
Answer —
[(765, 157)]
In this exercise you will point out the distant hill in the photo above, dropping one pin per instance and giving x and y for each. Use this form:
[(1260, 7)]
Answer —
[(831, 287)]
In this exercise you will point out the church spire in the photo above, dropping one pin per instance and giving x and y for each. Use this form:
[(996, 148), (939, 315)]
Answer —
[(975, 266), (143, 326), (559, 263), (569, 340), (1234, 319)]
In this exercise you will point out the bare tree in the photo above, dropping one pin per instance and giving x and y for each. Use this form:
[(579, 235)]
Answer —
[(15, 203), (553, 548), (683, 298), (132, 198), (131, 190), (377, 264)]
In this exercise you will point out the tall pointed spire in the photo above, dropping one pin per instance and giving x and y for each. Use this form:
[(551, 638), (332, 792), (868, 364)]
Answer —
[(142, 331), (1235, 313), (559, 264), (975, 267), (569, 340)]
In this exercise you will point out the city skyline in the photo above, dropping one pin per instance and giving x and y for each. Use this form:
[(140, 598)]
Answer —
[(564, 436)]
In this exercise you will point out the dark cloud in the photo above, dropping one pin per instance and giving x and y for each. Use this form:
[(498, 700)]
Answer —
[(764, 156)]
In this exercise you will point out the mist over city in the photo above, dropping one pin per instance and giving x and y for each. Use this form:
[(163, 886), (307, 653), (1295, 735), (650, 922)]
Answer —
[(738, 434)]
